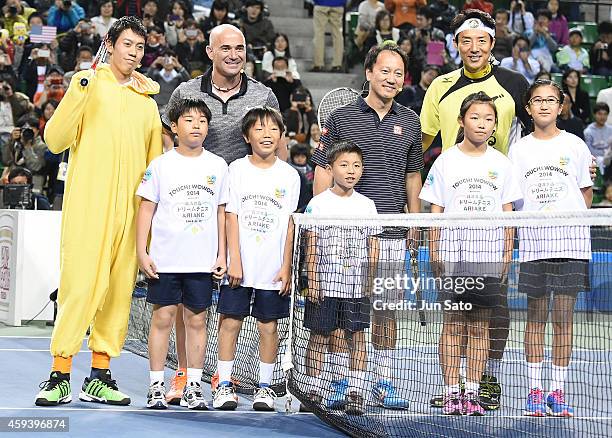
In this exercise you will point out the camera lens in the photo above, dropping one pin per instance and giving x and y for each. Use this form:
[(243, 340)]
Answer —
[(27, 134), (12, 10)]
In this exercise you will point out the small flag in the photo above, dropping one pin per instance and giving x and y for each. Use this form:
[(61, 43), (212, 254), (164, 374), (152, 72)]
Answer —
[(42, 34)]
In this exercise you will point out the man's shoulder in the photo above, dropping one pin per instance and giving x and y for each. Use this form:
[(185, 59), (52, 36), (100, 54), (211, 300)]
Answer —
[(445, 81), (511, 80)]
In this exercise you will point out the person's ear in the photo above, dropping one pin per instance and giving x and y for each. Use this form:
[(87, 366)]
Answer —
[(173, 127)]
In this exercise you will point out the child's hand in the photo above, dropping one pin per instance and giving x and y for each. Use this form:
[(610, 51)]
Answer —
[(219, 269), (234, 274), (146, 264), (313, 292), (284, 276)]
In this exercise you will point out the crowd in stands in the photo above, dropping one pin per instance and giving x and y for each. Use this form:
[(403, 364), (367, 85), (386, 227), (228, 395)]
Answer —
[(533, 38)]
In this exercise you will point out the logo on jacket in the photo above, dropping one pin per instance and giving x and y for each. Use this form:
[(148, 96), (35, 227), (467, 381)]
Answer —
[(211, 180), (564, 161)]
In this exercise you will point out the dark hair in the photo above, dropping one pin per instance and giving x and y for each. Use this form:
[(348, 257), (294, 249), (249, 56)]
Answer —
[(519, 38), (391, 46), (506, 12), (543, 83), (260, 114), (219, 5), (380, 15), (480, 97), (34, 15), (566, 73), (103, 2), (601, 106), (425, 12), (54, 103), (299, 149), (82, 49), (544, 12), (287, 51), (486, 19), (280, 58), (29, 118), (124, 23), (20, 171), (342, 147), (542, 73), (184, 7), (190, 22), (181, 107), (604, 27)]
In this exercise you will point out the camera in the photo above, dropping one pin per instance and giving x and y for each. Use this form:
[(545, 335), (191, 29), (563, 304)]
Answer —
[(85, 26), (191, 33), (299, 97), (12, 10), (27, 134), (67, 3), (56, 81)]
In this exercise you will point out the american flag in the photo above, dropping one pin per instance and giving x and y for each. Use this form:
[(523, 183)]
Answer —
[(42, 34)]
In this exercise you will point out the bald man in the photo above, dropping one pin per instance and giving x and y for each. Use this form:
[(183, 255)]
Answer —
[(229, 93)]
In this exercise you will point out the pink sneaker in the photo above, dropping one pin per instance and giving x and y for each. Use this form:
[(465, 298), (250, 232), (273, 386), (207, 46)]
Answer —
[(471, 404), (452, 404)]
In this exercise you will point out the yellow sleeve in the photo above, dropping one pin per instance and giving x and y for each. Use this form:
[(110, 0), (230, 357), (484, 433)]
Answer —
[(155, 145), (430, 112), (62, 129)]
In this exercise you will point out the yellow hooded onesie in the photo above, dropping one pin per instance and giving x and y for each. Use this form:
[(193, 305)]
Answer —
[(113, 132)]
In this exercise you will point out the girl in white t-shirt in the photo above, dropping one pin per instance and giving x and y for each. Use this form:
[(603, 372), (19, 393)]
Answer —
[(552, 167), (470, 177)]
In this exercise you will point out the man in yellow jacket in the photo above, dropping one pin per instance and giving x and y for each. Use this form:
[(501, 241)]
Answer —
[(113, 130)]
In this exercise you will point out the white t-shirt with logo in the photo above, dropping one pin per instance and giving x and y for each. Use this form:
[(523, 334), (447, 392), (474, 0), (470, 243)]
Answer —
[(263, 199), (551, 174), (187, 191), (342, 252), (472, 184)]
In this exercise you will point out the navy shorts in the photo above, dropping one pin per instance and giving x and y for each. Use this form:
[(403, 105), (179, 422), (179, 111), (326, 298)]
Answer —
[(560, 276), (482, 292), (267, 304), (193, 289), (350, 314)]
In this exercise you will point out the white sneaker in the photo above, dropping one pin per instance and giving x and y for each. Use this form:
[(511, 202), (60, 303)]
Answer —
[(193, 397), (225, 397), (156, 398), (264, 399)]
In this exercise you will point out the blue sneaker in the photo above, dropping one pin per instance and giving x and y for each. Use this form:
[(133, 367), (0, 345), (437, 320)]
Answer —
[(556, 406), (535, 406), (386, 396), (337, 400)]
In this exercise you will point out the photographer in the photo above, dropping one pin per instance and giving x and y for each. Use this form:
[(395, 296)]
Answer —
[(84, 34), (6, 68), (155, 47), (423, 33), (300, 115), (521, 21), (282, 83), (191, 48), (543, 45), (13, 105), (601, 52), (84, 61), (65, 15), (22, 176), (168, 73), (26, 149), (14, 12), (53, 87)]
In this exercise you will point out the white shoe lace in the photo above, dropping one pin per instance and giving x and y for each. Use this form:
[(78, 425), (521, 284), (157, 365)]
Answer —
[(224, 391), (265, 392)]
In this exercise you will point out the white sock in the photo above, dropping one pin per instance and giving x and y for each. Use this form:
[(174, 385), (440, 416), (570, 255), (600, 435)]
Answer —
[(452, 389), (535, 374), (463, 367), (493, 366), (356, 380), (471, 387), (265, 373), (156, 376), (224, 367), (384, 364), (194, 375), (558, 377), (340, 364)]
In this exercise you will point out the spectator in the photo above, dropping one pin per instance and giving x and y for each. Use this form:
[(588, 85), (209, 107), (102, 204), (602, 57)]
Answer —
[(383, 30), (423, 34), (605, 95), (299, 159), (280, 48), (22, 176), (129, 7), (105, 20), (601, 52), (558, 24), (65, 15), (154, 47), (367, 20), (258, 30), (503, 36), (57, 167), (282, 83), (26, 149), (328, 12), (581, 106), (443, 13), (314, 136), (36, 68), (15, 12), (568, 121), (7, 73), (175, 21), (598, 135), (543, 74), (481, 5), (404, 12), (218, 15), (543, 45), (412, 97), (607, 201), (84, 34), (415, 66), (521, 60), (574, 56), (53, 86), (46, 111), (168, 72), (13, 105), (84, 60), (151, 15), (191, 49), (521, 21), (300, 115)]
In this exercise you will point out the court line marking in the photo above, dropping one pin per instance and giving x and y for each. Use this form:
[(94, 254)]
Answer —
[(145, 410)]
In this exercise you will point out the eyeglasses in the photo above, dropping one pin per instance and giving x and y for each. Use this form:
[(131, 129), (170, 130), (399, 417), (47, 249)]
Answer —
[(548, 101)]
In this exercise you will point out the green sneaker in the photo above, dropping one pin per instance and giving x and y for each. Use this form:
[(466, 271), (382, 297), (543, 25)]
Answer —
[(489, 392), (54, 391), (103, 390)]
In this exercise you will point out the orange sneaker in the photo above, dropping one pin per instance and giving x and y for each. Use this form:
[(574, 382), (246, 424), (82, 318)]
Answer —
[(174, 395), (214, 382)]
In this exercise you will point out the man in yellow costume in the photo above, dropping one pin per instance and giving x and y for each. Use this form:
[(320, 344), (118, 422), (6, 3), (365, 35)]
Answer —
[(113, 130)]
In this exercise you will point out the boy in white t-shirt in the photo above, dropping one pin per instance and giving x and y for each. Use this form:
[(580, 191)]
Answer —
[(552, 167), (183, 193), (263, 193), (337, 301)]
